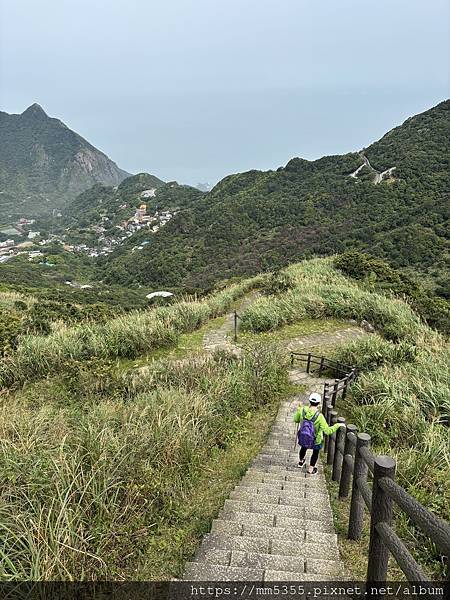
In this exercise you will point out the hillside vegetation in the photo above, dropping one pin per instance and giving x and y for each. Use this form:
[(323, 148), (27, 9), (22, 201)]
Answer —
[(257, 221), (110, 478), (115, 470), (402, 395), (127, 336)]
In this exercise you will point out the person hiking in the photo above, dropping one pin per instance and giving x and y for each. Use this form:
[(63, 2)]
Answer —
[(312, 426)]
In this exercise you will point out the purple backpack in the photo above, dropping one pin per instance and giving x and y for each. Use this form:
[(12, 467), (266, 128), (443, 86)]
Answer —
[(306, 434)]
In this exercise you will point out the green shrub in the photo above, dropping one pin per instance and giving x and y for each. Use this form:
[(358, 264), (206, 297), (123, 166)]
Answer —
[(279, 282), (378, 274), (369, 353)]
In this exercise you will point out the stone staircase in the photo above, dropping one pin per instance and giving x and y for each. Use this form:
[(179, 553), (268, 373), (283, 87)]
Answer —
[(277, 524)]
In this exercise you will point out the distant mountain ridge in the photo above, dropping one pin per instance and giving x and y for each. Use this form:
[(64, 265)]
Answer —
[(43, 163), (398, 207)]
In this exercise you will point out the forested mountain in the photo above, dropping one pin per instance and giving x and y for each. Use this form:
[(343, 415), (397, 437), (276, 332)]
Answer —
[(391, 197), (43, 163)]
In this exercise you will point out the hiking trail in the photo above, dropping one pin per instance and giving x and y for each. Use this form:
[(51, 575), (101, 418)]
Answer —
[(378, 177), (278, 519), (276, 522), (218, 339)]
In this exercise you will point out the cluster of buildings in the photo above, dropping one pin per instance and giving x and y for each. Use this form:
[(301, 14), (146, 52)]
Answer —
[(106, 243), (141, 219), (9, 249)]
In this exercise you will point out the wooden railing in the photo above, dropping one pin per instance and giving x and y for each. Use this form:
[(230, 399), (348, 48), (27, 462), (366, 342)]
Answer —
[(354, 466)]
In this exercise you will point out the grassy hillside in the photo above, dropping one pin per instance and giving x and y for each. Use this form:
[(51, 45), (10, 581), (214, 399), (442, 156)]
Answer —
[(112, 469), (110, 478), (257, 221), (127, 336), (402, 396)]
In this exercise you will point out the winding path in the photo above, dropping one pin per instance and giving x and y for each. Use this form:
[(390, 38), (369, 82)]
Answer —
[(378, 177), (218, 339)]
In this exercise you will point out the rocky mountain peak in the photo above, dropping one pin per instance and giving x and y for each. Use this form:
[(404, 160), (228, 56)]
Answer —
[(35, 110)]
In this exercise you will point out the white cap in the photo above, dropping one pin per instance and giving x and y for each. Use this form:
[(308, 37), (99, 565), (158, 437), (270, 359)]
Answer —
[(315, 398)]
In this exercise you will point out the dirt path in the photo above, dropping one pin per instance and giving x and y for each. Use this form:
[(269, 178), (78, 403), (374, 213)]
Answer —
[(326, 338)]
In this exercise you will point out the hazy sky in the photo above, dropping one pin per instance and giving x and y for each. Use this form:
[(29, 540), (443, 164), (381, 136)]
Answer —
[(196, 89)]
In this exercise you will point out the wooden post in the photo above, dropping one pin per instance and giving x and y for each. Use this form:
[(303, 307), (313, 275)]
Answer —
[(356, 519), (377, 563), (335, 390), (235, 326), (308, 364), (292, 359), (344, 391), (325, 399), (329, 408), (321, 366), (339, 451), (332, 439), (349, 450)]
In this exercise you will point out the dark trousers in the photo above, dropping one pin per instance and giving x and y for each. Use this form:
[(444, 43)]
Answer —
[(314, 457)]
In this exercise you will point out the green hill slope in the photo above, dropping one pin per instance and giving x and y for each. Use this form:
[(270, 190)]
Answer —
[(138, 452), (262, 220), (43, 163)]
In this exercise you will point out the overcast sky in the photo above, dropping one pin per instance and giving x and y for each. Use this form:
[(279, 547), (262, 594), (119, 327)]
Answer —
[(193, 90)]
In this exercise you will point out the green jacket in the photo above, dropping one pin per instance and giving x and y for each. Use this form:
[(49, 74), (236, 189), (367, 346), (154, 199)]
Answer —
[(320, 425)]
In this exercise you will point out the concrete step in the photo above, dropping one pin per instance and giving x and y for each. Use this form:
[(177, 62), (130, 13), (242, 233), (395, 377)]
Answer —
[(270, 532), (198, 571), (279, 562), (285, 470), (288, 534), (283, 497), (211, 572), (318, 566), (294, 522), (300, 479), (302, 512), (253, 560), (265, 489), (224, 542)]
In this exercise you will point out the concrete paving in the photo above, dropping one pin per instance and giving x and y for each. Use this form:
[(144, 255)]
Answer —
[(277, 521)]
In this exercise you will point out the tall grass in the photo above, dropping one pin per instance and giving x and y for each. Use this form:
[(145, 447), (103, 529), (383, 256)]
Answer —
[(8, 299), (321, 292), (402, 399), (402, 395), (85, 485), (126, 336)]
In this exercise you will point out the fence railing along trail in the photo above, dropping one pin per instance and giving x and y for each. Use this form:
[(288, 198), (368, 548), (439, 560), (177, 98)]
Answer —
[(354, 466), (236, 316)]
